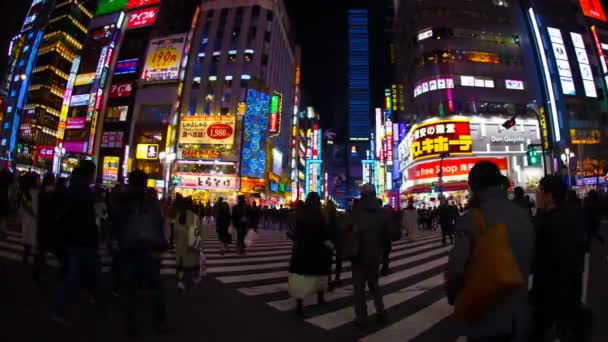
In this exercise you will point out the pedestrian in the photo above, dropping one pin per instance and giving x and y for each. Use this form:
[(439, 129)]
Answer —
[(593, 210), (311, 257), (447, 218), (138, 222), (371, 228), (240, 221), (222, 223), (81, 240), (47, 221), (558, 264), (187, 257), (394, 235), (519, 198), (28, 211), (254, 216), (7, 200), (409, 221), (508, 319), (336, 233)]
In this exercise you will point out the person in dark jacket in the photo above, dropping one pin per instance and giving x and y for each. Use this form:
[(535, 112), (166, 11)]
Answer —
[(310, 255), (336, 233), (447, 219), (240, 221), (47, 221), (81, 238), (559, 261), (254, 216), (519, 198), (222, 222), (593, 209), (371, 226)]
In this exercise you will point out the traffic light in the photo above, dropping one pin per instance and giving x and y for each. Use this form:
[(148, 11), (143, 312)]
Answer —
[(533, 157), (433, 187), (509, 123)]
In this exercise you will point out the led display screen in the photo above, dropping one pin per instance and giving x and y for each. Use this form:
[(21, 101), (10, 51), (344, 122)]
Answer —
[(255, 134)]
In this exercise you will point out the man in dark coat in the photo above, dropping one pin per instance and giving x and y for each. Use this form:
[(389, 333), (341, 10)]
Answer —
[(240, 220), (371, 225)]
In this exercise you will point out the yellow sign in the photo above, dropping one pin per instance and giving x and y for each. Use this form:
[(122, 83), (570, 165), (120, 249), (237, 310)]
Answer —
[(585, 136), (147, 151), (208, 130), (84, 79), (164, 58)]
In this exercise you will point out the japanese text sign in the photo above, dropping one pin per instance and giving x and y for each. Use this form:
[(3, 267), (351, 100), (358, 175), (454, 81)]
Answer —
[(164, 58), (141, 3), (142, 17), (200, 154), (451, 167), (122, 89), (208, 130), (433, 139), (206, 181)]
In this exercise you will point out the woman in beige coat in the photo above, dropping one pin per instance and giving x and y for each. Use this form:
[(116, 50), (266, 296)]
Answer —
[(187, 258)]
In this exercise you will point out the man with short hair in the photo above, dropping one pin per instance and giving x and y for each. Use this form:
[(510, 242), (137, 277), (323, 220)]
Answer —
[(371, 226)]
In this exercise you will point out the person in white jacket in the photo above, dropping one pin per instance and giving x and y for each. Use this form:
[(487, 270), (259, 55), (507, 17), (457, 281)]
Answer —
[(409, 222)]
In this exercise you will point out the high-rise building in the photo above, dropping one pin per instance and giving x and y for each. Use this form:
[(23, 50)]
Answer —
[(467, 67), (62, 38), (243, 73)]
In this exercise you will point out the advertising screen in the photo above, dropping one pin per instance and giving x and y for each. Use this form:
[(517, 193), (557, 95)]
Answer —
[(164, 58), (208, 130), (127, 66), (80, 100), (583, 64), (142, 17), (84, 79), (110, 168), (255, 134), (593, 9), (141, 3), (562, 62), (433, 139), (147, 151), (109, 6)]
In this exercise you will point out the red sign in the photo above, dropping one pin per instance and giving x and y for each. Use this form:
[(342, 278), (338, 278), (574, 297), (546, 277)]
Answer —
[(196, 154), (434, 138), (76, 123), (593, 9), (141, 3), (143, 17), (45, 152), (219, 131), (123, 89), (451, 167)]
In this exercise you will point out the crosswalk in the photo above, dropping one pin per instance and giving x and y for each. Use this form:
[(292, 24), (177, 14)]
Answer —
[(413, 291)]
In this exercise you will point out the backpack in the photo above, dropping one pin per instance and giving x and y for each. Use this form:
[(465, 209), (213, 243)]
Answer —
[(143, 228)]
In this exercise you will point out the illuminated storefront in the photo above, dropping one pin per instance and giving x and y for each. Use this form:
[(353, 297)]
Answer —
[(454, 145)]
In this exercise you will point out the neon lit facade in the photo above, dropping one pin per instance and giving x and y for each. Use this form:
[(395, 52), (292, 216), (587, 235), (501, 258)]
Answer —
[(358, 75)]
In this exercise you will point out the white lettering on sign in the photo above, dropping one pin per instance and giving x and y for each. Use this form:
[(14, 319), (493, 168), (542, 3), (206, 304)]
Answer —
[(508, 139)]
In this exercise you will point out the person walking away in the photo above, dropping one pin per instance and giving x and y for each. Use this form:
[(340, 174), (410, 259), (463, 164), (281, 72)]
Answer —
[(519, 198), (47, 221), (335, 231), (7, 200), (371, 228), (59, 235), (254, 216), (558, 264), (187, 258), (593, 207), (508, 320), (311, 258), (28, 211), (447, 217), (240, 223), (409, 221), (138, 222), (222, 223), (81, 239)]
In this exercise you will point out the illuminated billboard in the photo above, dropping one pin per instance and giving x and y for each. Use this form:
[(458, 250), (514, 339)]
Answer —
[(255, 134), (276, 104), (109, 6), (127, 66), (141, 3), (432, 139), (561, 60), (208, 130), (583, 64), (142, 17), (593, 9), (147, 151), (164, 58)]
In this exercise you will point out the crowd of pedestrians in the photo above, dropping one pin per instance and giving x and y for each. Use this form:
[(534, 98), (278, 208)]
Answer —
[(546, 241)]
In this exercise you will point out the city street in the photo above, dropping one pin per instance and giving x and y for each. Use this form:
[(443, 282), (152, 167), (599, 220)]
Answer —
[(246, 299)]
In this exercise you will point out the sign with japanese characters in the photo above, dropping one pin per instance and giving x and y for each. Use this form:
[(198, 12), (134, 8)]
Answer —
[(45, 152), (147, 151), (202, 181), (122, 89), (200, 154), (451, 167), (164, 58), (437, 137), (142, 17), (208, 130), (141, 3)]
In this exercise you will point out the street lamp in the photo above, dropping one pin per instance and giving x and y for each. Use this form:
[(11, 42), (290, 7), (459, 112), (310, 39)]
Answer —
[(59, 153), (567, 156)]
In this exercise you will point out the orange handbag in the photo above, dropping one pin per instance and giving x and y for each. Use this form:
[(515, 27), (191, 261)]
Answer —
[(492, 274)]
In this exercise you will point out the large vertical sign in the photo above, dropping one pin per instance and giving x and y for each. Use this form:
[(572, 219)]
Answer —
[(593, 9), (599, 46), (562, 62), (276, 107), (63, 115), (255, 134), (314, 176), (583, 64)]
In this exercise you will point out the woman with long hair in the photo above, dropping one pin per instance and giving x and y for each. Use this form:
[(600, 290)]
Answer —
[(311, 256)]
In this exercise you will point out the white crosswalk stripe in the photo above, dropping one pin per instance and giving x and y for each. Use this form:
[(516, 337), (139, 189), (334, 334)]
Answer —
[(413, 294)]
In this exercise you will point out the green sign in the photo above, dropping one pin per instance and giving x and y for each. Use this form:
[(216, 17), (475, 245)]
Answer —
[(109, 6), (281, 187), (274, 104), (533, 157)]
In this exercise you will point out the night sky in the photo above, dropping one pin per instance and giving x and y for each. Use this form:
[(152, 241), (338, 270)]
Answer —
[(320, 28)]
